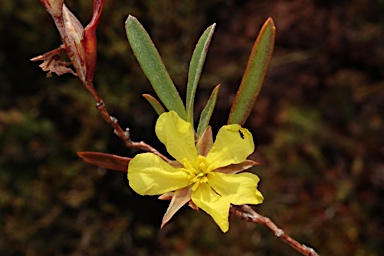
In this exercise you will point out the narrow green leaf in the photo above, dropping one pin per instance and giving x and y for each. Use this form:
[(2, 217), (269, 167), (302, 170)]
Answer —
[(254, 74), (206, 114), (153, 67), (195, 68), (154, 103)]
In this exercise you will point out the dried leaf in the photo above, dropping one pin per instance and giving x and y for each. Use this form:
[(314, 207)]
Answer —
[(53, 64), (109, 161), (235, 168), (180, 198), (205, 142)]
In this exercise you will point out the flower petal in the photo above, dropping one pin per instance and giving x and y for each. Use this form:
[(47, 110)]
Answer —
[(233, 145), (180, 198), (178, 136), (205, 198), (148, 174), (236, 188)]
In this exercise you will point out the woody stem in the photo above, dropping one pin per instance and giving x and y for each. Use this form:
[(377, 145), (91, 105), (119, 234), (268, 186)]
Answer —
[(113, 122), (246, 213)]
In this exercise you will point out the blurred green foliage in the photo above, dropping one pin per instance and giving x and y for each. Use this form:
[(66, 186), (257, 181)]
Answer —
[(318, 122)]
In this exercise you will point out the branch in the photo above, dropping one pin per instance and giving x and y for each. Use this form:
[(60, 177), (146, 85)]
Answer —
[(246, 213), (112, 121), (81, 47)]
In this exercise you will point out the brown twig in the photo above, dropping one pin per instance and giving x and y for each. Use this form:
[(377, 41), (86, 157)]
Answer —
[(246, 213), (82, 54), (112, 121)]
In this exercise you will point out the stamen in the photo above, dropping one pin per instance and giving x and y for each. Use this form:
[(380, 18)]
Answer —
[(198, 176), (201, 163), (199, 179)]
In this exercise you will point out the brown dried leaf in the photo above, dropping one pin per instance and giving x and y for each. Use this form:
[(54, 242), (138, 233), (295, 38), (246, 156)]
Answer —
[(205, 142), (53, 64), (180, 198), (235, 168), (109, 161), (166, 196)]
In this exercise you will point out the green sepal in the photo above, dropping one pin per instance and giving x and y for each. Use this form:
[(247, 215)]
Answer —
[(154, 103), (195, 68), (206, 113), (254, 74), (153, 67)]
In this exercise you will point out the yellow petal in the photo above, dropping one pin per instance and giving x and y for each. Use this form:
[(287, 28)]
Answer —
[(148, 174), (205, 198), (178, 137), (236, 188), (233, 145)]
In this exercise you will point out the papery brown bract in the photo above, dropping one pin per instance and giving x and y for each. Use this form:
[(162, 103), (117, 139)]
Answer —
[(80, 44)]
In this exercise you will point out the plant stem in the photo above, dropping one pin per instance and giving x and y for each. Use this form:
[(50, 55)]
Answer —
[(246, 213), (113, 122)]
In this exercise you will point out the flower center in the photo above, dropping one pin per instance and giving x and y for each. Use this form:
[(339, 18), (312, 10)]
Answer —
[(198, 174)]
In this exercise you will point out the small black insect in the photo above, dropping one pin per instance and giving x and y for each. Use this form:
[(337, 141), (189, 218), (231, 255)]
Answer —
[(241, 134)]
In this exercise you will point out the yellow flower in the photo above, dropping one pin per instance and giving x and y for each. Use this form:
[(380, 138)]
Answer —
[(205, 174)]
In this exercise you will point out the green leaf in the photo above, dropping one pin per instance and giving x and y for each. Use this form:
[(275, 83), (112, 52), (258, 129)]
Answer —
[(254, 74), (154, 103), (195, 68), (153, 67), (207, 112)]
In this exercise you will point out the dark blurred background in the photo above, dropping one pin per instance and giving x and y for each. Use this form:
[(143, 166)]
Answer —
[(318, 125)]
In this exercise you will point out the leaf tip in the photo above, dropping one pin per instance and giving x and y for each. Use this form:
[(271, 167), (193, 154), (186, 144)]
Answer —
[(270, 22), (130, 18)]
